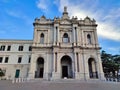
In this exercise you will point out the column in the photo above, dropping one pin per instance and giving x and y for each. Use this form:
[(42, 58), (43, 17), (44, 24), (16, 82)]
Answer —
[(76, 67), (54, 43)]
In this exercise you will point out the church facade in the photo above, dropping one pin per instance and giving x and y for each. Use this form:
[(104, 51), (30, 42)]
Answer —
[(61, 48)]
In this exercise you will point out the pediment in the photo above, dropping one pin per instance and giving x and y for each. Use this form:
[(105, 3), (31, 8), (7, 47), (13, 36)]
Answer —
[(65, 22)]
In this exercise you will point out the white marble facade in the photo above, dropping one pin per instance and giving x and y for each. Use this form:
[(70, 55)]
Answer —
[(63, 48)]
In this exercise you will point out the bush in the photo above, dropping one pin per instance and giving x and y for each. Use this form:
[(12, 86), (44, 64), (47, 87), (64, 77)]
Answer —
[(1, 73)]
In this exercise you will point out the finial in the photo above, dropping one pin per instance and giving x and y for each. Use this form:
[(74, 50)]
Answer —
[(65, 13), (65, 9)]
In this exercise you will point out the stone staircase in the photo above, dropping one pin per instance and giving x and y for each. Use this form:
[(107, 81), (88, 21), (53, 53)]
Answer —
[(56, 81)]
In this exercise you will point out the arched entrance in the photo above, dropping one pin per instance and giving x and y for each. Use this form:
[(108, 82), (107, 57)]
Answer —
[(40, 68), (92, 68), (66, 67)]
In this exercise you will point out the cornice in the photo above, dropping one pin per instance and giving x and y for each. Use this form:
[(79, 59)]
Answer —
[(16, 41)]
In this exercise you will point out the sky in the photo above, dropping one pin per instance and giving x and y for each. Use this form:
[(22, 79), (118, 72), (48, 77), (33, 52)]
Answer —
[(17, 17)]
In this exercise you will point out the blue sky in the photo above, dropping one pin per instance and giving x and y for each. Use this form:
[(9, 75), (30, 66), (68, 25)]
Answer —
[(17, 16)]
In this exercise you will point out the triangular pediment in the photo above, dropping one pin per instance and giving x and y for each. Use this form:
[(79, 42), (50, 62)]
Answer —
[(65, 22)]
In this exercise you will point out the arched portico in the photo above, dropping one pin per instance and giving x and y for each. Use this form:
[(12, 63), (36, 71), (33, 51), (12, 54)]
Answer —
[(39, 68), (66, 67), (93, 73)]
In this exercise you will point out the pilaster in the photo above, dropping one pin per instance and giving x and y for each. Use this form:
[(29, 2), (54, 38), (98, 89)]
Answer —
[(35, 36), (58, 36), (74, 36), (100, 73), (81, 68), (55, 73), (96, 38), (32, 67), (46, 64), (54, 42)]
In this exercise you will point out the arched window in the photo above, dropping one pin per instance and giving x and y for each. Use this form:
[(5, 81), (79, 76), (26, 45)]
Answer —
[(42, 38), (89, 39), (65, 38)]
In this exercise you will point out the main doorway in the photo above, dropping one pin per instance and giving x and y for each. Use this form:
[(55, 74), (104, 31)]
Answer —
[(64, 71), (41, 73), (40, 68), (66, 67)]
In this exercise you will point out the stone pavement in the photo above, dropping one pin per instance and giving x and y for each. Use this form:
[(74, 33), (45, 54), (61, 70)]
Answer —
[(59, 85)]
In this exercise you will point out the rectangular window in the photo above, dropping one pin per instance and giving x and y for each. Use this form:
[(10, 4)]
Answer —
[(6, 59), (19, 59), (29, 59), (2, 48), (1, 58), (30, 48), (20, 48), (9, 48)]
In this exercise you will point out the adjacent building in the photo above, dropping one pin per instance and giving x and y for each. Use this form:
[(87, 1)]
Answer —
[(62, 47)]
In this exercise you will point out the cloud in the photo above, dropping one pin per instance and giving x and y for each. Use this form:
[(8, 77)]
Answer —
[(114, 48), (113, 14), (20, 15), (108, 24), (108, 31), (42, 4), (14, 14)]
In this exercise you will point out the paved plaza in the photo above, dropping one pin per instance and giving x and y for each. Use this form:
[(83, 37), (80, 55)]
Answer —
[(59, 85)]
